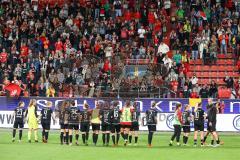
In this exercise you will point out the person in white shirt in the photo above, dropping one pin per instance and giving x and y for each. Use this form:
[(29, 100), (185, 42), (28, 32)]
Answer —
[(194, 80), (141, 33), (167, 61), (163, 48)]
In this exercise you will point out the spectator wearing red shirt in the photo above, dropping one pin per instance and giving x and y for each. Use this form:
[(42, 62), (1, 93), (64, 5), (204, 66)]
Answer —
[(24, 51), (59, 45), (137, 16), (3, 56), (151, 19), (127, 16)]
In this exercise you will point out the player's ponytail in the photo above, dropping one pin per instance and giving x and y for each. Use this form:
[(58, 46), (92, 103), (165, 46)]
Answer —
[(178, 106)]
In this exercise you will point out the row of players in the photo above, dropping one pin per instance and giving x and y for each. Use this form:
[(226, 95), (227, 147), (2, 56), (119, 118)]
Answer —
[(110, 119)]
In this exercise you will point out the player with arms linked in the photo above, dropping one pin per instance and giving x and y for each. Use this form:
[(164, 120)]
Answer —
[(46, 116), (199, 117), (186, 118), (126, 121), (19, 120), (151, 118), (31, 114), (105, 116), (61, 113), (135, 124), (95, 121), (115, 123), (177, 124), (85, 123), (73, 122)]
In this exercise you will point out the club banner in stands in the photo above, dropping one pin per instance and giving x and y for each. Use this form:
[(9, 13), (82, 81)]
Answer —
[(163, 105)]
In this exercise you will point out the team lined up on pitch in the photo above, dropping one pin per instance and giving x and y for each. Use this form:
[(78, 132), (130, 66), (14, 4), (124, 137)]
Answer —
[(112, 120)]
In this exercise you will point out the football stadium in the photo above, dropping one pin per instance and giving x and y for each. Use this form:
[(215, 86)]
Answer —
[(119, 79)]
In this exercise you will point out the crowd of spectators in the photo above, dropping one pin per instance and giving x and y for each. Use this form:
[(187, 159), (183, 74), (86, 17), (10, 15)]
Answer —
[(76, 48)]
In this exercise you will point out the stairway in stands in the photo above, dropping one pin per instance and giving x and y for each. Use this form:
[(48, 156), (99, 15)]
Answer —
[(206, 73)]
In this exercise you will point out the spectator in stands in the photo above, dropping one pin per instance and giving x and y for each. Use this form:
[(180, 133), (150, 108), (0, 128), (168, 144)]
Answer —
[(204, 92), (194, 80), (163, 48), (213, 90), (229, 81), (186, 92), (213, 52), (223, 39)]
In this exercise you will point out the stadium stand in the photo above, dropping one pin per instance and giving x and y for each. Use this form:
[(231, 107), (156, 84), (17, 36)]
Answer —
[(76, 48)]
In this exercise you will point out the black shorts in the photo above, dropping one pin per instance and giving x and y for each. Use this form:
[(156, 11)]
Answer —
[(211, 128), (198, 126), (46, 125), (186, 129), (63, 126), (115, 128), (84, 127), (73, 126), (95, 126), (18, 124), (135, 126), (106, 127), (152, 128)]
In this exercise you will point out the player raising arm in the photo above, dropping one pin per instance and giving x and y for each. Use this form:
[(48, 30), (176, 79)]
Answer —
[(151, 117), (46, 116), (177, 124), (95, 121), (115, 123), (31, 115), (199, 116), (85, 123), (19, 120)]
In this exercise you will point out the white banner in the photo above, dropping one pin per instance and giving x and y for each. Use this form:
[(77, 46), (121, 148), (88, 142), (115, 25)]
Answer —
[(225, 122)]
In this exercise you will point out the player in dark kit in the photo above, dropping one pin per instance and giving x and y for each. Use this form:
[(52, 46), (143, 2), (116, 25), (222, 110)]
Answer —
[(19, 120), (186, 118), (135, 124), (61, 113), (85, 123), (212, 120), (199, 117), (73, 122), (45, 116), (105, 116), (115, 123), (151, 118)]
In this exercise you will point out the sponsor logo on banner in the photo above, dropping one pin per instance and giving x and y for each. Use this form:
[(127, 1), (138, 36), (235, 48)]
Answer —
[(236, 122), (169, 121), (163, 105)]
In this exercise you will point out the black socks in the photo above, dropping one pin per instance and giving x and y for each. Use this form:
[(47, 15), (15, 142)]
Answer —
[(150, 136)]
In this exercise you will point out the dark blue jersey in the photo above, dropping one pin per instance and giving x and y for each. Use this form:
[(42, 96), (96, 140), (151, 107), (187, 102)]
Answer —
[(19, 114), (115, 115), (46, 113), (151, 116), (85, 116), (105, 116), (73, 115)]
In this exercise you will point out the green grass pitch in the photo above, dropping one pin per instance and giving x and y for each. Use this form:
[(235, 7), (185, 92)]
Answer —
[(160, 150)]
